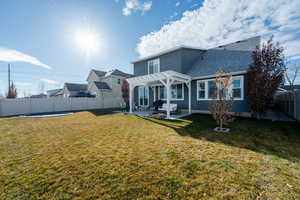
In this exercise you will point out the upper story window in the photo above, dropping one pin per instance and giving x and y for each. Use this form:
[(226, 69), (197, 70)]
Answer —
[(119, 81), (207, 89), (153, 66)]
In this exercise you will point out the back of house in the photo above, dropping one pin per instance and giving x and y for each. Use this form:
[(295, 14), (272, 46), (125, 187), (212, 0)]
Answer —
[(201, 66)]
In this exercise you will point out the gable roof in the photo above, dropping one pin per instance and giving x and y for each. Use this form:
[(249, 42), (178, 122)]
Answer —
[(117, 72), (76, 87), (55, 92), (248, 44), (102, 85), (166, 52), (211, 61), (98, 72)]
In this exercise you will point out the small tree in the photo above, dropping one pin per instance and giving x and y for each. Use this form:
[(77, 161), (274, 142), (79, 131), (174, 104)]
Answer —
[(265, 76), (222, 101), (125, 91), (291, 74), (12, 92)]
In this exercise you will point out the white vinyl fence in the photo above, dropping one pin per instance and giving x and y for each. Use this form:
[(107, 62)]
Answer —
[(289, 103), (25, 106)]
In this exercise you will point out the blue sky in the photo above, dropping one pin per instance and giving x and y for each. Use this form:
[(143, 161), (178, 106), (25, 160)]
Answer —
[(45, 30), (41, 33)]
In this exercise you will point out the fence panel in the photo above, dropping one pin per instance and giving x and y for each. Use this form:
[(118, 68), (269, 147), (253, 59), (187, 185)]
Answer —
[(289, 103), (10, 107)]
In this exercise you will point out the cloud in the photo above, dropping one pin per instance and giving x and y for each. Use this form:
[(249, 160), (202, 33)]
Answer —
[(136, 5), (10, 55), (48, 81), (219, 22), (23, 84), (177, 4)]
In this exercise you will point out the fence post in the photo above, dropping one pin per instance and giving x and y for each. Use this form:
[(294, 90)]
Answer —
[(1, 107)]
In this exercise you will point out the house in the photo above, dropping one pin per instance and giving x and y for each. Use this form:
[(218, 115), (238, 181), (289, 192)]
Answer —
[(288, 87), (55, 93), (75, 90), (99, 84), (186, 76), (38, 96)]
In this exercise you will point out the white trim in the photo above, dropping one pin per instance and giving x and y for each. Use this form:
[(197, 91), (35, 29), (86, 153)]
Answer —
[(172, 99), (146, 79), (214, 75), (165, 52), (206, 89)]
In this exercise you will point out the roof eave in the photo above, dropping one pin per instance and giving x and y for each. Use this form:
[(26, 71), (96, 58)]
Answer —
[(165, 52)]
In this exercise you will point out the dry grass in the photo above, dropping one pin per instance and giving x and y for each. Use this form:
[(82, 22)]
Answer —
[(85, 156)]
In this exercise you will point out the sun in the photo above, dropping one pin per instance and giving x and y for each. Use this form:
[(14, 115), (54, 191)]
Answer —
[(87, 40)]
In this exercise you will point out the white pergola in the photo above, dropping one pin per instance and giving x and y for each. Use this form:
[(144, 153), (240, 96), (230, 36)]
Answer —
[(167, 78)]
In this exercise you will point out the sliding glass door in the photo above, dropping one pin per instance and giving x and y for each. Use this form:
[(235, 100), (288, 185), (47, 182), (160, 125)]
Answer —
[(143, 96)]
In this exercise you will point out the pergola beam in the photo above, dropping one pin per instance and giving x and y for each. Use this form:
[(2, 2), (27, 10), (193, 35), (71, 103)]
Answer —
[(167, 78)]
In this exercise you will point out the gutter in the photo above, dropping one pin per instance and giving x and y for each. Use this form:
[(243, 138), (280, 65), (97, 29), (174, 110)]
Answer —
[(212, 76)]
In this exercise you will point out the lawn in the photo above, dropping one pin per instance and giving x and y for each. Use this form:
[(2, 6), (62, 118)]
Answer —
[(117, 156)]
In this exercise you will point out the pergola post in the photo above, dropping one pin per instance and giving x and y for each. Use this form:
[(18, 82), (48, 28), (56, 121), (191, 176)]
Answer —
[(168, 98), (131, 89), (189, 84)]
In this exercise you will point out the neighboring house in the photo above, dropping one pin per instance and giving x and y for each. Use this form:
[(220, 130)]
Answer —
[(288, 87), (75, 90), (38, 96), (99, 84), (55, 93), (190, 75)]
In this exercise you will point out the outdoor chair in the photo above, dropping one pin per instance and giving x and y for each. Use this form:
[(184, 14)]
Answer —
[(173, 107)]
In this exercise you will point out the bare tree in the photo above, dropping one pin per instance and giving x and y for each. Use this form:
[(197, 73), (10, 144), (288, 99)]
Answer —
[(12, 91), (222, 101), (265, 75), (290, 75)]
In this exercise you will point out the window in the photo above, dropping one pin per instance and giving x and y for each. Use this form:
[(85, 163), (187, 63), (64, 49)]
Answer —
[(206, 89), (119, 81), (237, 88), (162, 92), (153, 66), (201, 90), (212, 89), (143, 96), (177, 92)]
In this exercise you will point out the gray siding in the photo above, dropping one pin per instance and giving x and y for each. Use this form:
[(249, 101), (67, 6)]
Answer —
[(178, 61), (189, 57), (238, 105)]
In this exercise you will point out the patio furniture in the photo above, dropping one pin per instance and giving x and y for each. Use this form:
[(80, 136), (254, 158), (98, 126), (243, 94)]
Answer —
[(173, 107), (157, 104)]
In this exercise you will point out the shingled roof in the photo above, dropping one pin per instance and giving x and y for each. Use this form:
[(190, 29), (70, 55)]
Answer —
[(211, 61), (102, 85), (75, 87), (117, 72), (99, 73)]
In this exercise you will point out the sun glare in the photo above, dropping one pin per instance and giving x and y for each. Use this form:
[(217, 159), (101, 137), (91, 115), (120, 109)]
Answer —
[(87, 40)]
